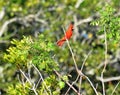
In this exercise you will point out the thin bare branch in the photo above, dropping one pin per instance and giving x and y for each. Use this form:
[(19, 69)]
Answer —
[(72, 84), (32, 84), (84, 20), (76, 67), (91, 85), (4, 26), (76, 31), (67, 83), (86, 59), (105, 64), (4, 41), (80, 80), (109, 79), (115, 88), (24, 19), (42, 79), (78, 3)]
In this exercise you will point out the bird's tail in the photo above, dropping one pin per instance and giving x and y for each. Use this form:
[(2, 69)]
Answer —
[(61, 42)]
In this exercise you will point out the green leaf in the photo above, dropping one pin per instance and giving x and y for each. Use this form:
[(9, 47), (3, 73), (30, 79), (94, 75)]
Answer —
[(61, 84)]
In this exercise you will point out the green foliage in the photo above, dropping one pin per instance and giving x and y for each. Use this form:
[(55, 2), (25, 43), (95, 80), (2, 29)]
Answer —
[(53, 15), (61, 84), (17, 54), (109, 23), (111, 87), (19, 89), (53, 84), (18, 7), (39, 51)]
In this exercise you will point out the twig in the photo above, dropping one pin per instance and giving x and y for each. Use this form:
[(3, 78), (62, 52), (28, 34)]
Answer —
[(110, 60), (4, 27), (29, 71), (67, 83), (84, 20), (78, 3), (86, 59), (38, 83), (32, 84), (72, 84), (105, 64), (83, 66), (42, 79), (80, 81), (109, 79), (91, 84), (76, 67), (24, 19), (4, 41), (76, 31), (2, 13), (115, 88), (26, 77)]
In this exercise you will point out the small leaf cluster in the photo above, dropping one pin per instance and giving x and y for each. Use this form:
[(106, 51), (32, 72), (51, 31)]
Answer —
[(17, 53), (19, 89), (53, 84)]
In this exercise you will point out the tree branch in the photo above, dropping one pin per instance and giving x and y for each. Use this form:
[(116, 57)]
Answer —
[(23, 19), (108, 79)]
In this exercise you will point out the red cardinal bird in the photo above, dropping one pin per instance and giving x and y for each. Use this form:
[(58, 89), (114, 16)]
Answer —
[(68, 35)]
